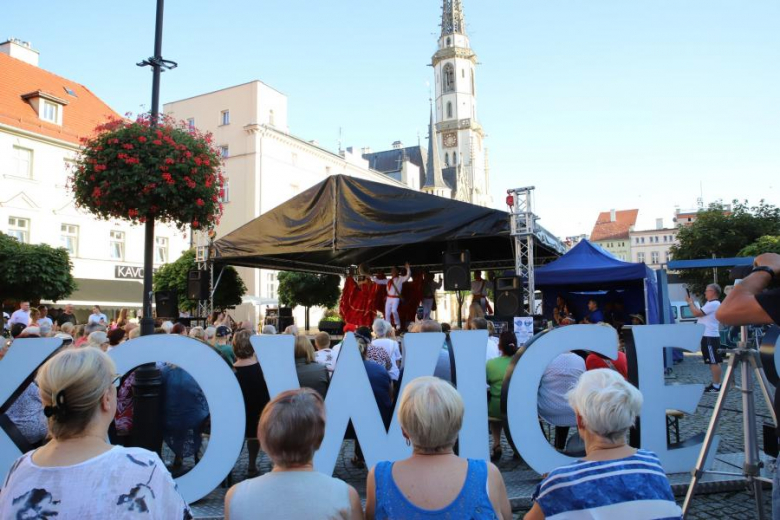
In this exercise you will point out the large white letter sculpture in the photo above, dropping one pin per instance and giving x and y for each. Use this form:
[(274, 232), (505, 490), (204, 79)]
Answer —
[(650, 341), (470, 350), (17, 365), (523, 382), (223, 394)]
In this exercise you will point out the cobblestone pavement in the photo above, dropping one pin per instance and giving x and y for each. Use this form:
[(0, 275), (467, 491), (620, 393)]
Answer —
[(521, 480)]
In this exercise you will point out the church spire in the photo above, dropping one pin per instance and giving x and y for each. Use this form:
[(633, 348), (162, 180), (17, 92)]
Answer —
[(452, 20), (433, 176)]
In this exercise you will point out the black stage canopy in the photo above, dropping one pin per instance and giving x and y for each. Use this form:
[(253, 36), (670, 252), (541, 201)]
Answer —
[(345, 221)]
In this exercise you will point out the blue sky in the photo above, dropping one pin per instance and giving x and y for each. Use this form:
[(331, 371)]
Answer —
[(598, 103)]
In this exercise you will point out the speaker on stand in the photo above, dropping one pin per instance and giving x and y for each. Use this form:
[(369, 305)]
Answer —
[(509, 297), (198, 285), (457, 271), (167, 303)]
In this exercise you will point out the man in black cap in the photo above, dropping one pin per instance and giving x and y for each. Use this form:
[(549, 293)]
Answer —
[(223, 346)]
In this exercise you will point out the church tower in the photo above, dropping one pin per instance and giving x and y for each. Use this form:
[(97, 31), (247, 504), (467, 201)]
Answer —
[(458, 132)]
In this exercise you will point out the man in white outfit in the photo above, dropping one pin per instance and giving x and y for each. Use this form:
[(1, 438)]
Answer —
[(394, 285)]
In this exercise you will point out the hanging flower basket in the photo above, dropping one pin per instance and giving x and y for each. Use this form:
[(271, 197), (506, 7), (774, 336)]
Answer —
[(132, 170)]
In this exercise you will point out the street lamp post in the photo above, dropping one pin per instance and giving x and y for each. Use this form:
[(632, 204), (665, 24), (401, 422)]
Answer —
[(147, 430)]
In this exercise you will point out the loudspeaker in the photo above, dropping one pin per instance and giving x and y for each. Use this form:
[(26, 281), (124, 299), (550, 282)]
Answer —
[(285, 312), (284, 322), (167, 304), (198, 285), (509, 296), (457, 274)]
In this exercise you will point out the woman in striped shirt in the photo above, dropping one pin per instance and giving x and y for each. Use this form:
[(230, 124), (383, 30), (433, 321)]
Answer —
[(614, 480)]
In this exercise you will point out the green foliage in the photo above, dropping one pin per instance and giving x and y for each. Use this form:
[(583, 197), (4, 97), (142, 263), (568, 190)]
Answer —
[(34, 272), (723, 234), (765, 244), (173, 276), (132, 170), (308, 289)]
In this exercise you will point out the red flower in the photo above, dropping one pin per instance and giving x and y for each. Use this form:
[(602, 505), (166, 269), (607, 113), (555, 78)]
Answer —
[(168, 160), (195, 223), (200, 202), (141, 139), (132, 213), (127, 146), (157, 142)]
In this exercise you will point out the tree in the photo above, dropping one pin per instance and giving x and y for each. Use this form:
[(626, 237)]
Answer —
[(229, 293), (765, 244), (722, 234), (309, 290), (34, 272)]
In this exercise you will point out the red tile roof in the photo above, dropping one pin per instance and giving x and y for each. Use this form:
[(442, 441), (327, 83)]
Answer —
[(80, 116), (607, 230)]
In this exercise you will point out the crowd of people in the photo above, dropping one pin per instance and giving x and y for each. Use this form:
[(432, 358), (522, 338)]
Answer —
[(289, 428)]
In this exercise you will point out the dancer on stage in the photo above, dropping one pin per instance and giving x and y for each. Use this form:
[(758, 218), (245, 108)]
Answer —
[(479, 292), (430, 285), (394, 285)]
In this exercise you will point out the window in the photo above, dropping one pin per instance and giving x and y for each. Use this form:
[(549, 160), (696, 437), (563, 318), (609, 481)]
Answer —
[(446, 159), (667, 257), (271, 117), (640, 257), (19, 228), (665, 238), (643, 240), (654, 257), (448, 80), (49, 112), (270, 285), (224, 193), (225, 117), (191, 123), (117, 242), (23, 160), (462, 73), (449, 108), (454, 158), (69, 238), (472, 83), (161, 250), (224, 151), (686, 312)]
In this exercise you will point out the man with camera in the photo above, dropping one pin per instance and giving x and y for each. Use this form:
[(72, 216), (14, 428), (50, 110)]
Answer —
[(749, 303)]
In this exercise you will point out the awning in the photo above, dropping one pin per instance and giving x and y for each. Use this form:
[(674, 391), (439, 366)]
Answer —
[(345, 221), (106, 293)]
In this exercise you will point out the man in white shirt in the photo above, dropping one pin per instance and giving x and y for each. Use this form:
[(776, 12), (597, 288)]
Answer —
[(21, 315), (44, 320), (324, 354), (710, 342), (97, 317), (394, 285)]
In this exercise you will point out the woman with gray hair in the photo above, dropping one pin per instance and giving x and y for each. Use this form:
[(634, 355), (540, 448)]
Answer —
[(614, 479), (381, 328), (434, 482), (98, 339)]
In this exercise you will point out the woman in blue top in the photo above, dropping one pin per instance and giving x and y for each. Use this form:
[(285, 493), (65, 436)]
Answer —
[(434, 482), (614, 480)]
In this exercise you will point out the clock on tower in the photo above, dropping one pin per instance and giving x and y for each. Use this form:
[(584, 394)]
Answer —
[(450, 139)]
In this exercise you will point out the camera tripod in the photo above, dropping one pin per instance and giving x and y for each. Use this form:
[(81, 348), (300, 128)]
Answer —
[(744, 359)]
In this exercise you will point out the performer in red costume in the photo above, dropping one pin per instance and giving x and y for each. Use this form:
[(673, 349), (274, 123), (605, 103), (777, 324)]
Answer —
[(358, 306)]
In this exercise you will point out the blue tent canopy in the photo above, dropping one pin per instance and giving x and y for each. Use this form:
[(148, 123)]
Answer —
[(588, 269)]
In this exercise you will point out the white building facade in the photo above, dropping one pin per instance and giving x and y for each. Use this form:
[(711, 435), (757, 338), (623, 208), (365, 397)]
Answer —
[(42, 119)]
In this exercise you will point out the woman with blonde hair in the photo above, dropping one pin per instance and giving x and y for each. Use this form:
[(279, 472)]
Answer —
[(98, 339), (310, 373), (78, 474), (434, 482), (291, 429)]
